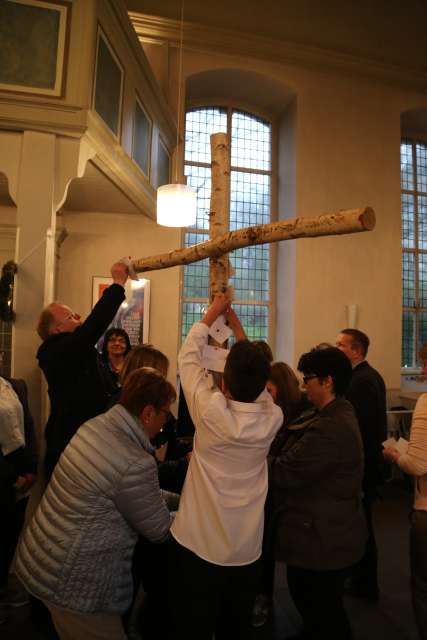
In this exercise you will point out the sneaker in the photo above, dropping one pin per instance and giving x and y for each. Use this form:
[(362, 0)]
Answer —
[(261, 611), (13, 597)]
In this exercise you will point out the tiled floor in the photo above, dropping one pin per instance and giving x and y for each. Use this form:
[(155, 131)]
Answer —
[(391, 618)]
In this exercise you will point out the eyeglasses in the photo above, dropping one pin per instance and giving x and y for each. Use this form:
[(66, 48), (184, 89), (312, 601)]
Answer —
[(305, 379), (117, 339)]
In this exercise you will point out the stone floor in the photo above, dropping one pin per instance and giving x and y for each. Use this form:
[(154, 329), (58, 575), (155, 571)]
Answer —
[(391, 618)]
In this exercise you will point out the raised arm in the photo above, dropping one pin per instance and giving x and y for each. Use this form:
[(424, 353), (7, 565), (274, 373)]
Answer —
[(196, 384), (235, 325)]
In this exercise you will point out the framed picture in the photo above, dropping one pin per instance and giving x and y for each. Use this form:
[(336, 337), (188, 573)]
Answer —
[(134, 313), (33, 35), (108, 90)]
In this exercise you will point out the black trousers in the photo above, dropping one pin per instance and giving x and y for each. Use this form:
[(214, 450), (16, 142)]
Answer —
[(364, 575), (13, 514), (318, 596), (206, 598), (418, 556)]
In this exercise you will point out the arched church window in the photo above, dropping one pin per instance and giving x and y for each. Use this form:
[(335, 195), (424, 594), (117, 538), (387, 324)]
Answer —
[(250, 204), (413, 169)]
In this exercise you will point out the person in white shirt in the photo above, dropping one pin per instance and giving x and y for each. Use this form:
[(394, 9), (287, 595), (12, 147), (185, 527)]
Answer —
[(217, 533), (414, 462)]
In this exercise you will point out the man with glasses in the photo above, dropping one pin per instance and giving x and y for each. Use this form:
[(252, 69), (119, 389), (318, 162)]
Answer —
[(68, 360), (367, 394)]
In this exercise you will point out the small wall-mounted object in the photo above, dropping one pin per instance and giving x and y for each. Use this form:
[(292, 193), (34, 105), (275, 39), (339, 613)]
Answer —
[(351, 315)]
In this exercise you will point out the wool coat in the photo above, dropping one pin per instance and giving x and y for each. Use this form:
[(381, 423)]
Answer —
[(316, 485)]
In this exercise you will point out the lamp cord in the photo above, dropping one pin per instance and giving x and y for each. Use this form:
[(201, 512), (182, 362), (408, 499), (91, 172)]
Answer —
[(178, 111)]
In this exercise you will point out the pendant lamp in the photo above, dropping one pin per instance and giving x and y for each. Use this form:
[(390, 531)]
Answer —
[(176, 202)]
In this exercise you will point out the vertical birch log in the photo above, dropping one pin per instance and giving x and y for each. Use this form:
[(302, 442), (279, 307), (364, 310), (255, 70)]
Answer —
[(219, 220), (219, 210)]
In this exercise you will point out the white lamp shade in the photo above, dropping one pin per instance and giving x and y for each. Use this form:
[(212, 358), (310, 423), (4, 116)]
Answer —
[(176, 205)]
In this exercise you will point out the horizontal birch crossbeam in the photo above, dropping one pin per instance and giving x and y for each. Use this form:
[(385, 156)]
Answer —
[(328, 224)]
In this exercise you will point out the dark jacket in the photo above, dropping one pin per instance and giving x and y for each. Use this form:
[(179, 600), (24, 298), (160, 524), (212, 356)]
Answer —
[(69, 363), (316, 483), (367, 394)]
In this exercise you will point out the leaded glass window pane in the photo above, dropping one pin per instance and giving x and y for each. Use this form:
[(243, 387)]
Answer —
[(250, 142), (251, 279), (422, 280), (200, 124), (200, 179), (254, 319), (421, 151), (422, 222), (196, 281), (408, 264), (408, 221), (406, 165), (250, 199), (191, 313), (408, 332)]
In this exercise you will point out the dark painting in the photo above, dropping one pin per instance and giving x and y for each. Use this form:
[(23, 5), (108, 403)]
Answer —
[(29, 39), (108, 87), (141, 138)]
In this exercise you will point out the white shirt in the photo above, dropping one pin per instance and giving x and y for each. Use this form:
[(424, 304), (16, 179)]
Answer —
[(11, 419), (221, 512), (414, 461)]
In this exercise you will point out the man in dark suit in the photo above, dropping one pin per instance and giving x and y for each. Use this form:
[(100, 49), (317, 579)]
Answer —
[(367, 394), (69, 361)]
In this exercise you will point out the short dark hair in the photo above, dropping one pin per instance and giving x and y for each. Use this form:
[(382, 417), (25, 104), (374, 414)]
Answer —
[(265, 348), (329, 361), (143, 387), (246, 371), (358, 339), (115, 331), (144, 355)]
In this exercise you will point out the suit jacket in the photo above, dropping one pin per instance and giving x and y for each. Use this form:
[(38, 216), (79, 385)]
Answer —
[(69, 362), (367, 394)]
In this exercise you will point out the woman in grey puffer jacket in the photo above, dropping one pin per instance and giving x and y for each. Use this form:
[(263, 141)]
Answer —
[(76, 552)]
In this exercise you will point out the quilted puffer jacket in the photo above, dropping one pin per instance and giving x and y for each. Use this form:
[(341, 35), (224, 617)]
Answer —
[(76, 551)]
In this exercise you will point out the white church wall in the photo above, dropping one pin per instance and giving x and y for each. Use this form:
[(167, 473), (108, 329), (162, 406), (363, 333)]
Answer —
[(95, 241)]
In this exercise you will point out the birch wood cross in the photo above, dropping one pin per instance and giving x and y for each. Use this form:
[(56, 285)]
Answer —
[(222, 241)]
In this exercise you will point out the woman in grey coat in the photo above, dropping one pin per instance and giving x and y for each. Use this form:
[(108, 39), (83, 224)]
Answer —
[(316, 484), (76, 552)]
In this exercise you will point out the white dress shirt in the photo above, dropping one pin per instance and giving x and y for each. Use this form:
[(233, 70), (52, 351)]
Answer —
[(221, 512)]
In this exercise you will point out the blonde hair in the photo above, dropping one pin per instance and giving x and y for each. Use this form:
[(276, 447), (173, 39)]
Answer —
[(144, 355)]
